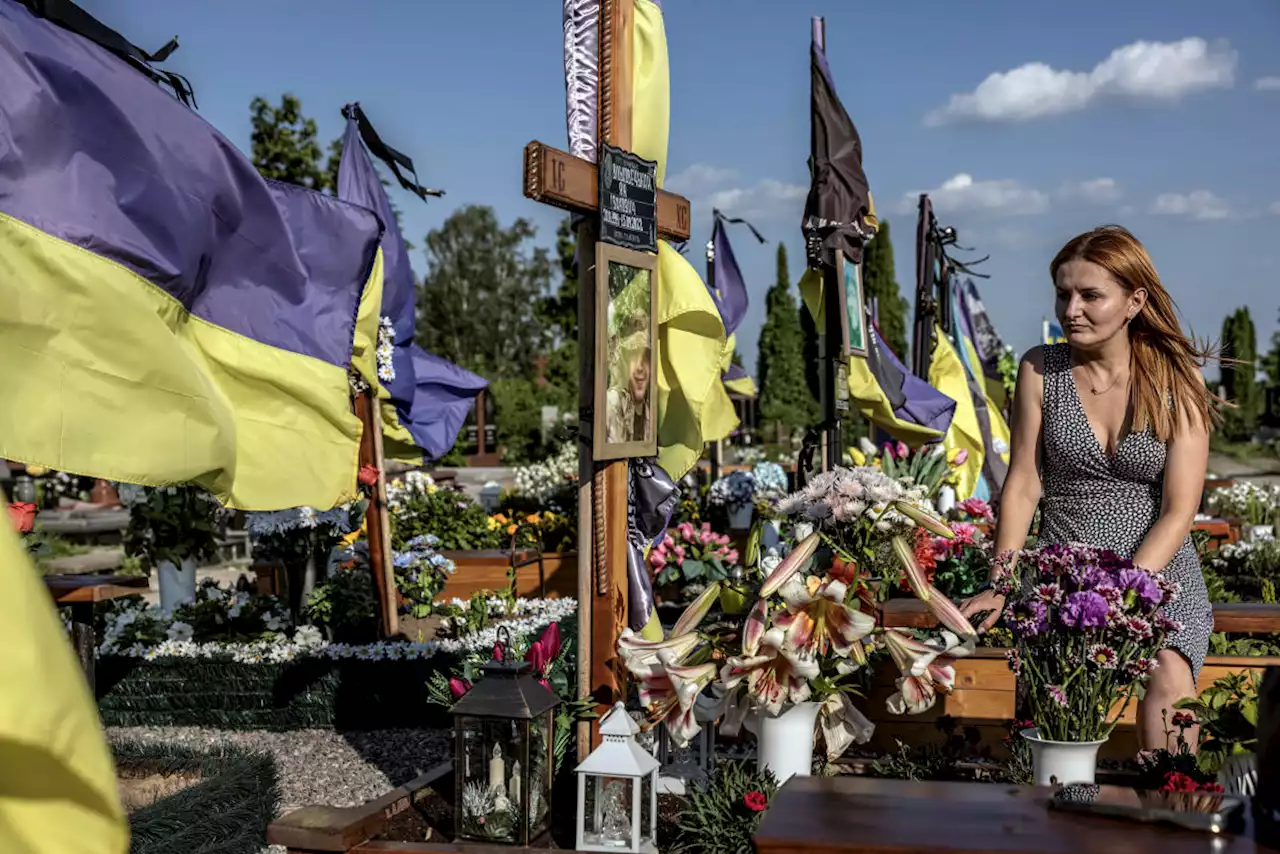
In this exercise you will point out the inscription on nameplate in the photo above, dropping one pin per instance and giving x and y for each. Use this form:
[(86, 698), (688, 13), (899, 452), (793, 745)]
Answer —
[(628, 200)]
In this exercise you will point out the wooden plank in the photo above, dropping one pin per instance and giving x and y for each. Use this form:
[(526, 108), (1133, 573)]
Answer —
[(487, 570), (1236, 617), (557, 178), (71, 589), (329, 829), (861, 814)]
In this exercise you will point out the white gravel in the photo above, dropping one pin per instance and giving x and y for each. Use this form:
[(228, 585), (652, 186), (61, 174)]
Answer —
[(320, 766)]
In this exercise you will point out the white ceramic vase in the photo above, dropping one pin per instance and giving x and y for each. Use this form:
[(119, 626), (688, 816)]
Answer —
[(1062, 762), (177, 584), (786, 741), (740, 516), (946, 499)]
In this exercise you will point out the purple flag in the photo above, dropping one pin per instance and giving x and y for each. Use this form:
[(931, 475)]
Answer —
[(432, 396), (728, 290)]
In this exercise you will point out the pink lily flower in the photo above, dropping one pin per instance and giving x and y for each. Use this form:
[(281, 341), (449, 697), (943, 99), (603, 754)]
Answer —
[(669, 695), (816, 620), (943, 608), (777, 675), (791, 564), (925, 668)]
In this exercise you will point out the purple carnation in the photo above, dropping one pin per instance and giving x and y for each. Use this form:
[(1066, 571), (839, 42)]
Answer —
[(1143, 586), (1029, 617), (1084, 610)]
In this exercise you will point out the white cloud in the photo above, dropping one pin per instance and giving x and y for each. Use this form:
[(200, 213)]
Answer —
[(1098, 191), (1267, 84), (1142, 70), (1275, 208), (962, 194), (710, 187), (1198, 204)]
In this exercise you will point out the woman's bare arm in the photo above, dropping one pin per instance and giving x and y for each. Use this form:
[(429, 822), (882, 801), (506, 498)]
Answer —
[(1185, 464), (1021, 492)]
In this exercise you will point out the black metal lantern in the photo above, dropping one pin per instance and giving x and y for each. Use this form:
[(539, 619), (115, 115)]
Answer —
[(504, 730)]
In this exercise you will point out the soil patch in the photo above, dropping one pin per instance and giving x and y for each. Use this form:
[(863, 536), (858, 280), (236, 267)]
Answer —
[(142, 787)]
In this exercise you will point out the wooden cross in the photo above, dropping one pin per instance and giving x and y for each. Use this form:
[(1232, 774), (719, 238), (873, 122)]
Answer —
[(558, 178)]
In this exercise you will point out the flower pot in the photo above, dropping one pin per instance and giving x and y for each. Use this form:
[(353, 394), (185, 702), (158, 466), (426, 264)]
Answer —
[(786, 741), (177, 584), (740, 516), (1061, 761), (1258, 533), (945, 500)]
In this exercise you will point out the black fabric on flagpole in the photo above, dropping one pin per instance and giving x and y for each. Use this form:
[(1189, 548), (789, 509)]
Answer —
[(71, 17), (839, 202), (715, 213), (388, 155)]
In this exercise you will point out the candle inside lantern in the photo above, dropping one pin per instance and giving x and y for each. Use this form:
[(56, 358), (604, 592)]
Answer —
[(514, 786), (497, 771)]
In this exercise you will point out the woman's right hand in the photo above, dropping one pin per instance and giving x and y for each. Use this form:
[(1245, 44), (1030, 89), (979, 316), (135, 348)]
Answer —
[(988, 600)]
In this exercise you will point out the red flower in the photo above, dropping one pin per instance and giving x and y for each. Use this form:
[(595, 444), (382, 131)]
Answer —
[(498, 653), (23, 516), (1183, 720), (544, 650), (844, 571), (924, 556), (1176, 781), (458, 687), (368, 475), (755, 801)]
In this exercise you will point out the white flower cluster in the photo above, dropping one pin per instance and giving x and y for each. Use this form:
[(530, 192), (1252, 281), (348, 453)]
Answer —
[(132, 494), (845, 495), (385, 350), (531, 616), (541, 481), (1235, 501), (403, 489), (733, 490), (298, 519)]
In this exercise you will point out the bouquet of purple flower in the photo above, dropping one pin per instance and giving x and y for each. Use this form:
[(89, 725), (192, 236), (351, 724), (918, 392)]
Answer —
[(1088, 625)]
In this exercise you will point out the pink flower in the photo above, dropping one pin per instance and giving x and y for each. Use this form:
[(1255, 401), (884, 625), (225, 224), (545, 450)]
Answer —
[(977, 508), (731, 556), (657, 559), (903, 450), (679, 554), (667, 542), (458, 687), (705, 537), (686, 530), (889, 451), (961, 457), (965, 534)]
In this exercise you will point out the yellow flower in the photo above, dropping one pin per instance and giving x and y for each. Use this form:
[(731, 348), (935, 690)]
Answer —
[(496, 522), (37, 471), (534, 519), (859, 458)]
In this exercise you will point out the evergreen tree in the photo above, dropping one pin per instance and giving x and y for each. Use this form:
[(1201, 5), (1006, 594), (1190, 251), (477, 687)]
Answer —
[(1239, 343), (784, 396), (880, 281), (285, 147)]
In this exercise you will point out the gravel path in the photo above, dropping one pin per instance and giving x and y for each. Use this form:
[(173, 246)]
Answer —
[(318, 766)]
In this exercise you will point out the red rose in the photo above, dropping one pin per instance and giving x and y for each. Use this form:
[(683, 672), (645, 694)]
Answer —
[(1176, 781), (368, 475), (1183, 720), (23, 516), (755, 801)]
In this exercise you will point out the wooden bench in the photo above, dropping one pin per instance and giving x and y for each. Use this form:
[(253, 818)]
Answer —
[(487, 570), (79, 593)]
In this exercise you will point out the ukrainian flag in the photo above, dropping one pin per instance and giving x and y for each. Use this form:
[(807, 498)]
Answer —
[(693, 350), (57, 777), (166, 314), (424, 398), (947, 375)]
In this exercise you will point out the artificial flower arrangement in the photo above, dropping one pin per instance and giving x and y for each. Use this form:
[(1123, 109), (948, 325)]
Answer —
[(736, 489), (806, 633), (1171, 777), (692, 556), (958, 565), (927, 467), (1087, 626), (770, 483), (169, 523)]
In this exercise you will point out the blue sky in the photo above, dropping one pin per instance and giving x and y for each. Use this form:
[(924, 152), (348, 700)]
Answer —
[(1163, 115)]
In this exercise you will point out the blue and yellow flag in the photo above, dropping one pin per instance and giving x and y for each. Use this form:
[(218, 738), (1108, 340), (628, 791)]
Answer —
[(693, 350), (947, 375), (425, 398), (166, 314), (57, 778)]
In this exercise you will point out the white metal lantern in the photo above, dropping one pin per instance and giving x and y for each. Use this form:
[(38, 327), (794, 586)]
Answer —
[(618, 791)]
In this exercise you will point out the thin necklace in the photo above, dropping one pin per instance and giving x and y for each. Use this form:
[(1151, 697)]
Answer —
[(1095, 391)]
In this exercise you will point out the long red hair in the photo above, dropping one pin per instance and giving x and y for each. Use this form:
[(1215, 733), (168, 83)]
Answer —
[(1165, 362)]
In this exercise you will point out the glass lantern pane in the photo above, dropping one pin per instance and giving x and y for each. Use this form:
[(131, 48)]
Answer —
[(492, 779), (607, 812), (541, 773), (647, 831)]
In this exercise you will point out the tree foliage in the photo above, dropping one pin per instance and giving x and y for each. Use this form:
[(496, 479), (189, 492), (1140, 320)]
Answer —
[(478, 303), (1240, 344), (785, 398), (285, 147), (880, 281)]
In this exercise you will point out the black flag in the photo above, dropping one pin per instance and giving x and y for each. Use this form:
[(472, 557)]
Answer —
[(838, 212)]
